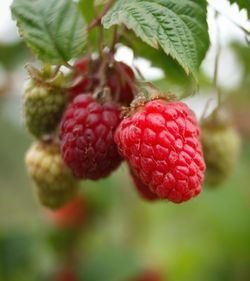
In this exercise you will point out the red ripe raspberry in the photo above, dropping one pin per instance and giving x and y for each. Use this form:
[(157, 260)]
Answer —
[(87, 137), (73, 215), (118, 83), (161, 142), (84, 69), (82, 65), (143, 189)]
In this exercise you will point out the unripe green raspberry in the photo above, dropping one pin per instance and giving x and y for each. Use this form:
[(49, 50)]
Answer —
[(43, 107), (54, 199), (221, 146), (54, 182)]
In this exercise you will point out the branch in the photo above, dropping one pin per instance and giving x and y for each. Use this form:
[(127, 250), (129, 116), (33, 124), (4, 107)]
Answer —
[(97, 21)]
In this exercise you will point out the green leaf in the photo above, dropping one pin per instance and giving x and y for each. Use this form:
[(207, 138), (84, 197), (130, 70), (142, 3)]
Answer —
[(175, 80), (243, 4), (178, 27), (12, 55), (54, 30), (111, 264), (100, 2), (89, 12)]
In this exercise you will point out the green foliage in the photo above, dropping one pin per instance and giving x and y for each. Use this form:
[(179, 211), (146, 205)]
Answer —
[(54, 30), (18, 257), (90, 9), (243, 55), (243, 4), (12, 55), (175, 79), (178, 27), (100, 2), (111, 264)]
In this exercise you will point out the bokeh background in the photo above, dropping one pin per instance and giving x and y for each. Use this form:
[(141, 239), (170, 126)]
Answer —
[(206, 239)]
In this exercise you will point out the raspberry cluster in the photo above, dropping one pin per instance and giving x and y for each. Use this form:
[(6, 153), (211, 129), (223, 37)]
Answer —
[(82, 134)]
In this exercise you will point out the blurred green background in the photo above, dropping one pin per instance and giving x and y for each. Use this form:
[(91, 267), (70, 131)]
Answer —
[(205, 239)]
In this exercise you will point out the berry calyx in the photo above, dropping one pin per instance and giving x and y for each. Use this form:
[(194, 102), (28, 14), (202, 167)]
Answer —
[(54, 183), (43, 107), (72, 215), (87, 137), (161, 142)]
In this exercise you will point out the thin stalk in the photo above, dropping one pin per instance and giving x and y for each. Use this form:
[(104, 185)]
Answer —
[(69, 66), (116, 37), (217, 60), (98, 19)]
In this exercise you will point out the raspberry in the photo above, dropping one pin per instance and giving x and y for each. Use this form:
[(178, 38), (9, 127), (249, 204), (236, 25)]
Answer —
[(161, 142), (87, 137), (142, 189), (54, 182), (118, 83), (43, 108), (85, 70), (221, 145), (118, 77), (72, 215)]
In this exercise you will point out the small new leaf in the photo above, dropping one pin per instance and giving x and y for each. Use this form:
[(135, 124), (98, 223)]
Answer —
[(54, 30), (178, 27)]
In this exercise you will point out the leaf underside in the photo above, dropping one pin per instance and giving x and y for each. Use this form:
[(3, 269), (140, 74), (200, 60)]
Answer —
[(178, 27)]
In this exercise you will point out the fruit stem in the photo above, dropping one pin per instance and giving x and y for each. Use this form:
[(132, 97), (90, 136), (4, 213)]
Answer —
[(116, 37), (204, 114), (217, 60), (100, 41), (128, 79), (69, 66), (138, 71), (100, 75), (98, 19), (56, 70)]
